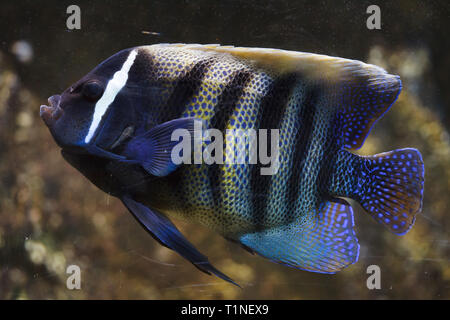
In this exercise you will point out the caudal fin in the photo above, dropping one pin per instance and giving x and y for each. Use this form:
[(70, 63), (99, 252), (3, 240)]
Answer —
[(392, 190)]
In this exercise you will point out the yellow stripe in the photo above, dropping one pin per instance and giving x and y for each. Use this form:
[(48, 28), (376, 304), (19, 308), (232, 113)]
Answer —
[(235, 203)]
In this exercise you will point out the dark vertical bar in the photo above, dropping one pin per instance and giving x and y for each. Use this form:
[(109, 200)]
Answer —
[(272, 108)]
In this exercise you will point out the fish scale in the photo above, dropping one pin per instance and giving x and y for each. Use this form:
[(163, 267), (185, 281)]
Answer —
[(220, 185), (201, 202), (323, 106), (203, 105), (231, 181), (235, 183), (308, 196), (278, 204)]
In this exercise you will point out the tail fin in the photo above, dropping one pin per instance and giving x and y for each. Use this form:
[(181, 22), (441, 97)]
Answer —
[(392, 190)]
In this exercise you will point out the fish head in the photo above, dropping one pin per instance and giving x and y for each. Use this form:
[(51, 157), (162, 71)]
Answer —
[(95, 111)]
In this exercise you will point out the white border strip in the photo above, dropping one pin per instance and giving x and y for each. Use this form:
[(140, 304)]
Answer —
[(112, 89)]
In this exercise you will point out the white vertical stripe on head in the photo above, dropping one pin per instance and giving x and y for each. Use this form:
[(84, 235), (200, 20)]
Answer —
[(112, 89)]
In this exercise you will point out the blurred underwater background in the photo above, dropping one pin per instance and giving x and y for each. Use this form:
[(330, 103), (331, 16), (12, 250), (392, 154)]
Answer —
[(52, 217)]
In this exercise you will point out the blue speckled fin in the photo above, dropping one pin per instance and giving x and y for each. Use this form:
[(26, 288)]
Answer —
[(364, 100), (153, 149), (392, 191), (326, 244), (165, 232)]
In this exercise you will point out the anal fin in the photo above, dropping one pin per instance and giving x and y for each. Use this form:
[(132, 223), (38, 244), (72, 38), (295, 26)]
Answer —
[(326, 244)]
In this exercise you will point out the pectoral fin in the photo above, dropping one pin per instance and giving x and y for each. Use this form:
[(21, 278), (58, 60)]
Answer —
[(163, 230), (153, 149)]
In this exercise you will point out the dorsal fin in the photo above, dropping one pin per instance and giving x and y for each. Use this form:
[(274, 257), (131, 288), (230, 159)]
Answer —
[(360, 92)]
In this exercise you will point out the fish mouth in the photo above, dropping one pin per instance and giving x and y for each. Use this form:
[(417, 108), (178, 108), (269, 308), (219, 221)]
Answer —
[(53, 111)]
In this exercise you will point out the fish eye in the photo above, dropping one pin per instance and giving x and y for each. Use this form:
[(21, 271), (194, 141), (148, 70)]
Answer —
[(92, 90)]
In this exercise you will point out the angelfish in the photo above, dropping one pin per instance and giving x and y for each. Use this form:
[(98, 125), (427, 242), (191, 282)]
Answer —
[(115, 126)]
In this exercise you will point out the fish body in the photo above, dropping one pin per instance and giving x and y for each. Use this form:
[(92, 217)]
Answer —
[(115, 126)]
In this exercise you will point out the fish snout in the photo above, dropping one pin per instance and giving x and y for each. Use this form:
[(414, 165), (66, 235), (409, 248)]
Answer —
[(52, 112), (54, 100)]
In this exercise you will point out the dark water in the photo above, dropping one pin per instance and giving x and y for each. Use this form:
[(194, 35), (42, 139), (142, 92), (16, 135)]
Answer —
[(51, 217)]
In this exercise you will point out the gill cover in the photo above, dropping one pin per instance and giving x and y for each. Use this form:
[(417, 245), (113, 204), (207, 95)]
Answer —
[(96, 109), (114, 110)]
